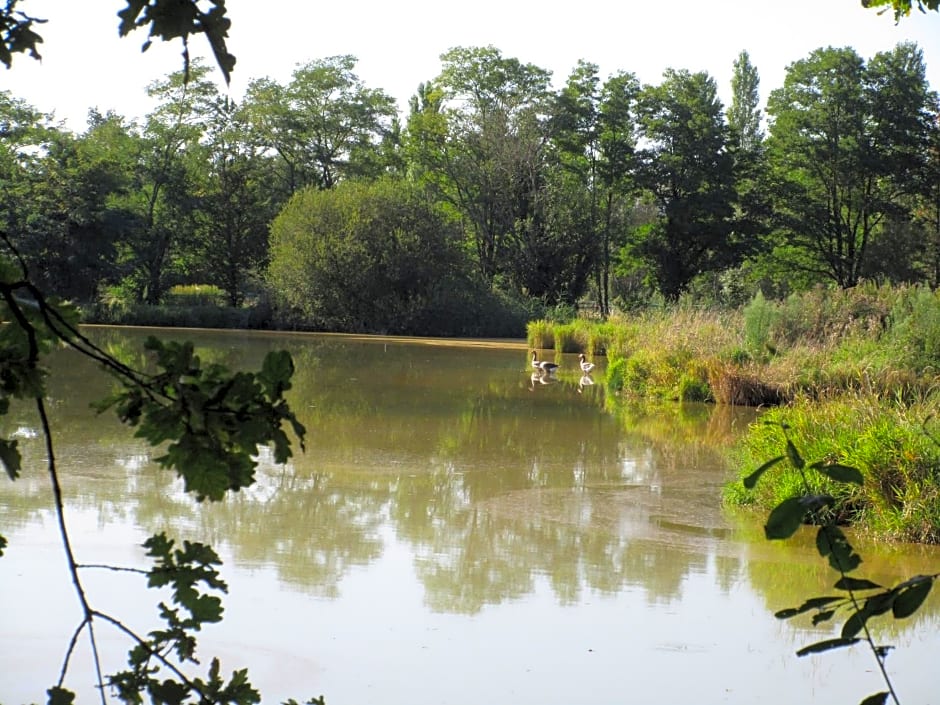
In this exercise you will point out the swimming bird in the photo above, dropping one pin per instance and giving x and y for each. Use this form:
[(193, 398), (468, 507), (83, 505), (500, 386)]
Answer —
[(544, 366), (585, 365)]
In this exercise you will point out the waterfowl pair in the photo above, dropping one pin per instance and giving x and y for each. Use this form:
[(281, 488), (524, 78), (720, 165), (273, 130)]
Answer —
[(550, 367)]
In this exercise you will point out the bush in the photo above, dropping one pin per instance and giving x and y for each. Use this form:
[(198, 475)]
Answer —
[(692, 388), (915, 329), (616, 375), (254, 317), (195, 295), (378, 257), (759, 317)]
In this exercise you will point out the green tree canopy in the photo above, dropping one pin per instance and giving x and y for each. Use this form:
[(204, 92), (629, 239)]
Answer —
[(593, 130), (847, 146), (363, 257), (686, 170), (479, 144), (744, 115), (325, 125)]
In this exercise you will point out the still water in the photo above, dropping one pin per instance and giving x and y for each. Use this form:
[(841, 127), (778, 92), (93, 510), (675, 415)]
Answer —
[(456, 532)]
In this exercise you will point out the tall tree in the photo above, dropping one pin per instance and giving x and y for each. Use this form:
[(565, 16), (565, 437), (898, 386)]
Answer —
[(325, 125), (617, 141), (752, 207), (236, 205), (171, 163), (79, 203), (593, 131), (744, 115), (847, 146), (479, 141), (686, 170), (928, 211), (24, 133), (574, 130)]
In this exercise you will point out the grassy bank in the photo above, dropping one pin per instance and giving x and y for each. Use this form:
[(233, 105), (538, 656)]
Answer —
[(854, 374)]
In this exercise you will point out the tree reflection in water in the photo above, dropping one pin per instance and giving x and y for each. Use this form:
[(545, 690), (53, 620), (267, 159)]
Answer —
[(492, 482)]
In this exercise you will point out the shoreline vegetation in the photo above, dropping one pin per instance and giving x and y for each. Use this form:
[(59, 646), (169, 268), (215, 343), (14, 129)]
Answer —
[(852, 373)]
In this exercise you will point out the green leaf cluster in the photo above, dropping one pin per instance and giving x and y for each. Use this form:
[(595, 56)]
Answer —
[(177, 19), (167, 19), (902, 8), (17, 35), (183, 570), (214, 423)]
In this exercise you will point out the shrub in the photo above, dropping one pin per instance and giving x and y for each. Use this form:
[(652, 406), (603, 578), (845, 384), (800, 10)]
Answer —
[(915, 329), (616, 374), (887, 442), (194, 295), (367, 257), (759, 317), (692, 388)]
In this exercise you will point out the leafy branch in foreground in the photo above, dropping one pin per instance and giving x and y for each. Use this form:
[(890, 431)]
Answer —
[(859, 598), (902, 8), (213, 425), (165, 19)]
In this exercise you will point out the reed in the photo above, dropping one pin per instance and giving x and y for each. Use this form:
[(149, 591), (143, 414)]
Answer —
[(540, 334)]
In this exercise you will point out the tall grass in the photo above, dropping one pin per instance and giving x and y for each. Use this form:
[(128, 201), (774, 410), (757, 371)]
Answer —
[(887, 441), (871, 339), (576, 336), (855, 374)]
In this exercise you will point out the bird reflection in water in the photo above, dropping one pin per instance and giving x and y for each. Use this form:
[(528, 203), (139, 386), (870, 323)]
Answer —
[(585, 381), (541, 377)]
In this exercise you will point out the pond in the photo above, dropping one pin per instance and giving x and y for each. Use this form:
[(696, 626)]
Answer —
[(456, 532)]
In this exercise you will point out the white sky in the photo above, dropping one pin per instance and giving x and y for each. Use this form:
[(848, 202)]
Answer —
[(398, 44)]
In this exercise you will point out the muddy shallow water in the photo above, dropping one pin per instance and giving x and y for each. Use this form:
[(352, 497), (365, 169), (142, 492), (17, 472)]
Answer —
[(456, 532)]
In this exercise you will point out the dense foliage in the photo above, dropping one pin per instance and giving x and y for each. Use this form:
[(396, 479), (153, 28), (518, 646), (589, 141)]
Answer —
[(367, 257), (605, 192)]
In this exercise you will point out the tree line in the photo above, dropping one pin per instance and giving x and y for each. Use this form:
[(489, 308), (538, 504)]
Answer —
[(494, 197)]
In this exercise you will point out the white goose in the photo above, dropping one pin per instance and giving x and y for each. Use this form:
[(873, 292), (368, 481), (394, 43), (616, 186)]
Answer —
[(586, 366), (544, 366)]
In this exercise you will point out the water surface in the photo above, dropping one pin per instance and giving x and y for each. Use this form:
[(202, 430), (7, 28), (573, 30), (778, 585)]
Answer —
[(456, 532)]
